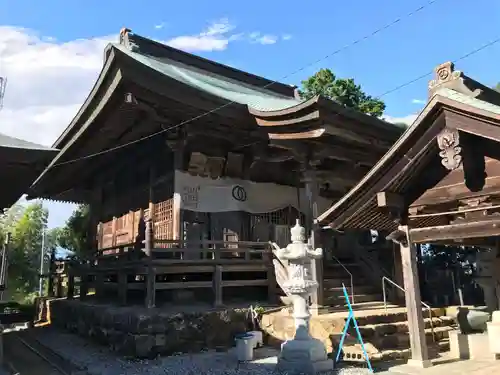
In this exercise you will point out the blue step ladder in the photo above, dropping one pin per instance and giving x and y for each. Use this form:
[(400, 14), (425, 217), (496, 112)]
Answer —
[(350, 318)]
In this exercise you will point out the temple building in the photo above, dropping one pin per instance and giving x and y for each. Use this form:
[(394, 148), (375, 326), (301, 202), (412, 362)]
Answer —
[(202, 165), (439, 183), (20, 164)]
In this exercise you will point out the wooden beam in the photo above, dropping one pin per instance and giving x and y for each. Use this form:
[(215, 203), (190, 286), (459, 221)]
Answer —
[(474, 229), (416, 325), (480, 127), (329, 150), (391, 201)]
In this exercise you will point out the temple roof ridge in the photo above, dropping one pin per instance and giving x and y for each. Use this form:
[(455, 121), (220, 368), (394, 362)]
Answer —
[(157, 50), (446, 76)]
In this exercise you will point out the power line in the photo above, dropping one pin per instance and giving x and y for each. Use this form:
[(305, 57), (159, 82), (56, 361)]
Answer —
[(397, 88), (182, 123), (418, 78), (463, 57)]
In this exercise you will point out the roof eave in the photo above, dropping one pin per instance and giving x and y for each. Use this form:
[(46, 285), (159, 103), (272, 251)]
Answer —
[(373, 175), (94, 105), (68, 133)]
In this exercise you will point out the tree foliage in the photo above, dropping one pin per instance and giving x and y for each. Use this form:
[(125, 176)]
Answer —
[(27, 226), (343, 91), (73, 236)]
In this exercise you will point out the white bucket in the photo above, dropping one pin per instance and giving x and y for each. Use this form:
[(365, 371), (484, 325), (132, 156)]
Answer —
[(257, 339), (244, 347)]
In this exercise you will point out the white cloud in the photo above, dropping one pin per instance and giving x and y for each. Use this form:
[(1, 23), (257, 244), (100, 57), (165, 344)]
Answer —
[(48, 80), (408, 120), (215, 37), (160, 26), (257, 37), (286, 37), (418, 101)]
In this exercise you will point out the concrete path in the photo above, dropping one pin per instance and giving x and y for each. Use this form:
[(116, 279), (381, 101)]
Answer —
[(450, 367)]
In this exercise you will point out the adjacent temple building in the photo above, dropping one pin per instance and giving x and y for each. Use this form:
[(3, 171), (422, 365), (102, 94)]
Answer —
[(207, 164)]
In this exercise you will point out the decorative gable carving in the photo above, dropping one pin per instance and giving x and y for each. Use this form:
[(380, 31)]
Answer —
[(449, 144), (445, 75)]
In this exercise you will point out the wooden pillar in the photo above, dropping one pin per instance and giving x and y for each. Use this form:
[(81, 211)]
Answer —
[(122, 279), (177, 222), (217, 286), (418, 344), (59, 286), (71, 285), (4, 266), (93, 239), (51, 274), (398, 272), (311, 187), (84, 283), (149, 245)]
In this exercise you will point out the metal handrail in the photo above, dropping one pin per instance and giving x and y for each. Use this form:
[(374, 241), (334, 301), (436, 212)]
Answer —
[(429, 309), (350, 274)]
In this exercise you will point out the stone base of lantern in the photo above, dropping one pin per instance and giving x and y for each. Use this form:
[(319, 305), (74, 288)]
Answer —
[(303, 357)]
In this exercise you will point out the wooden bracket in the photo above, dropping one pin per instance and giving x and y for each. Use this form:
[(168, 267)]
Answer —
[(393, 205), (448, 142)]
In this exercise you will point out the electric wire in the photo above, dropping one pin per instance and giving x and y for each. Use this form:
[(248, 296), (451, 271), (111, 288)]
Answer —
[(182, 123)]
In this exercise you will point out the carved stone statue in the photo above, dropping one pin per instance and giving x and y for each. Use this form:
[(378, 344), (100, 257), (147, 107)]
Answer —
[(303, 354)]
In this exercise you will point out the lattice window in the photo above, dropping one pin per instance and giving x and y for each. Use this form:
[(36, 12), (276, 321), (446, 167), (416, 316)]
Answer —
[(107, 235), (163, 221), (259, 222)]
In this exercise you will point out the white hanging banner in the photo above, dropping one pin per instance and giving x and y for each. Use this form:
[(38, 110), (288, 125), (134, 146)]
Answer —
[(203, 194)]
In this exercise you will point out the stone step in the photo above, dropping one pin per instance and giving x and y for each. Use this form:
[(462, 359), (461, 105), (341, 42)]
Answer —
[(337, 281), (393, 314), (382, 329), (360, 289), (336, 270), (339, 299), (352, 352), (402, 340)]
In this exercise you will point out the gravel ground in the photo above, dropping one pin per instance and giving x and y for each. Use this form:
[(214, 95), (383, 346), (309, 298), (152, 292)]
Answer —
[(99, 361)]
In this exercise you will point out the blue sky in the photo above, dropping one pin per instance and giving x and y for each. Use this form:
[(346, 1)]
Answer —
[(302, 33)]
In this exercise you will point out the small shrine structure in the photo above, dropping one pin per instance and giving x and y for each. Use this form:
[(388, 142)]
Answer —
[(439, 183)]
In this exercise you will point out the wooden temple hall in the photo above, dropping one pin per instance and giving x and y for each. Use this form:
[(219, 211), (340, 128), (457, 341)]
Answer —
[(191, 167), (439, 183)]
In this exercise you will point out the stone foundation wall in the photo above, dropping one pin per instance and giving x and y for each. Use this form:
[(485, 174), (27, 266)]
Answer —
[(138, 332), (280, 326)]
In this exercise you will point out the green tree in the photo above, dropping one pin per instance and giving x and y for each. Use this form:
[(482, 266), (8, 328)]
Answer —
[(343, 91), (497, 87), (73, 236), (27, 225)]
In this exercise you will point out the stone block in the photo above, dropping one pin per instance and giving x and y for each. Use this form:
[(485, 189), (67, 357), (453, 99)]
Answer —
[(494, 337), (469, 346)]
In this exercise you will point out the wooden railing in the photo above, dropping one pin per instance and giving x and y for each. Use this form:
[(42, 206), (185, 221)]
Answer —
[(202, 263), (212, 251)]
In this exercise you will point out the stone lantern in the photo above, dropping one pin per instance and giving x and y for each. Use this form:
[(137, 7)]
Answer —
[(303, 354)]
